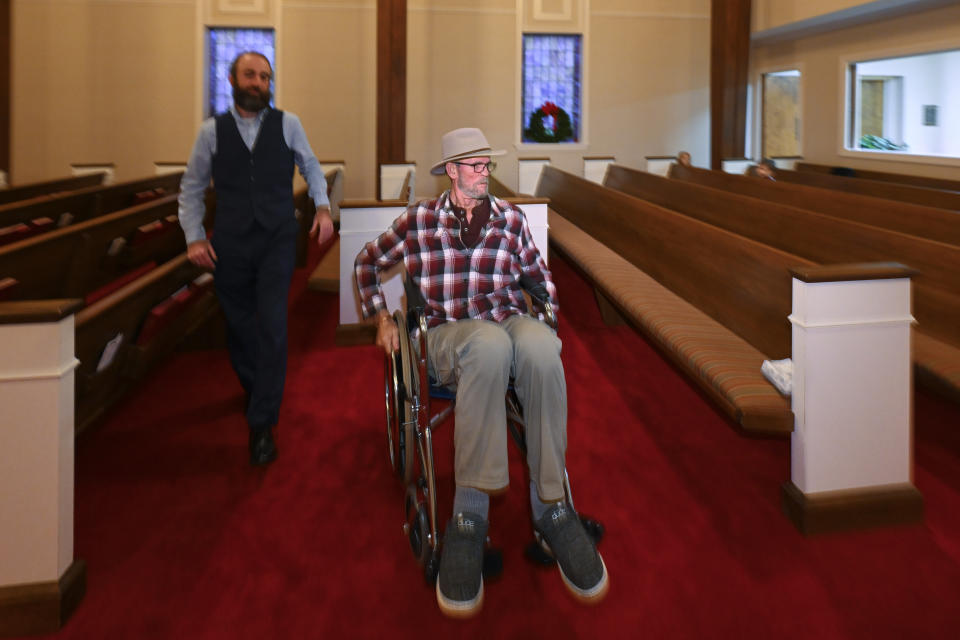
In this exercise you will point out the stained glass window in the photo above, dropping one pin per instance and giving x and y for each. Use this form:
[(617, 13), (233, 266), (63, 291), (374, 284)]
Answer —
[(223, 45), (551, 87)]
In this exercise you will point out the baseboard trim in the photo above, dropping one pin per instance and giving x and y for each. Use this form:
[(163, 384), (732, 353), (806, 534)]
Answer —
[(42, 607), (851, 509)]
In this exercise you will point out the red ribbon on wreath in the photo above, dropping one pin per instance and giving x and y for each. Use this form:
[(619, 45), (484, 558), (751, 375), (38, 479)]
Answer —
[(551, 109)]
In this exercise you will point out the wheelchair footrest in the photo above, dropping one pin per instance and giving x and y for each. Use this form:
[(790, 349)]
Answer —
[(595, 529), (492, 564), (538, 555)]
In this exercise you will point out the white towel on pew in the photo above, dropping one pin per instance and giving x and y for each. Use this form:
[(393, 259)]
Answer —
[(779, 373)]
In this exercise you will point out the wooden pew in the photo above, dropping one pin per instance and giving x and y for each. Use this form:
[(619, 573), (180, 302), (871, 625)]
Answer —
[(825, 240), (500, 190), (925, 222), (335, 185), (49, 187), (883, 176), (122, 336), (88, 203), (716, 303), (891, 191), (74, 262)]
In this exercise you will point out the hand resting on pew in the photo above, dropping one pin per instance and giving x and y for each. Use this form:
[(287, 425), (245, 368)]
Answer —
[(201, 253), (322, 225)]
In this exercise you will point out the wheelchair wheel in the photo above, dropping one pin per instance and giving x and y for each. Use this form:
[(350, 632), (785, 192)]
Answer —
[(398, 386), (515, 421), (418, 526)]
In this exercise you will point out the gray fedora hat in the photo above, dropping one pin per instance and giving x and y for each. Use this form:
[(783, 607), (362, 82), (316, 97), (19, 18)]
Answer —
[(458, 144)]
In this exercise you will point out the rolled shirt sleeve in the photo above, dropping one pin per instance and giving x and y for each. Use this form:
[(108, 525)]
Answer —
[(306, 161), (376, 256), (195, 181)]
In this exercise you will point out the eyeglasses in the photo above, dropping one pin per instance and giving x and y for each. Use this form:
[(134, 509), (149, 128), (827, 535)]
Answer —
[(480, 166)]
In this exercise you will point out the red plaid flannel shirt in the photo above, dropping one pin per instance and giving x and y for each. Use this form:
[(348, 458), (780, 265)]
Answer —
[(457, 281)]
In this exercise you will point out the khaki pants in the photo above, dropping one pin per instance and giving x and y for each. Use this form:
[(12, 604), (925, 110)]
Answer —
[(478, 357)]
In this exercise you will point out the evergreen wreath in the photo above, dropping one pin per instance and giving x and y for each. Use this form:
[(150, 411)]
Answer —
[(561, 131)]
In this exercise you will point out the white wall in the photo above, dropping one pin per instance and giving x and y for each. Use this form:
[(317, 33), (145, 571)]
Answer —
[(822, 59), (950, 106), (121, 81)]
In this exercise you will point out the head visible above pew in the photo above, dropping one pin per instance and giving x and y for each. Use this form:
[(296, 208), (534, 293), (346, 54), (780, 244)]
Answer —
[(250, 76), (845, 172), (683, 159), (764, 169)]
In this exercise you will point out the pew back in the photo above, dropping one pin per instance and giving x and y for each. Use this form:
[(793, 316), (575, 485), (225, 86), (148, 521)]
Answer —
[(74, 261), (49, 187), (743, 284), (817, 237), (85, 204), (883, 176), (108, 342), (891, 191), (925, 222)]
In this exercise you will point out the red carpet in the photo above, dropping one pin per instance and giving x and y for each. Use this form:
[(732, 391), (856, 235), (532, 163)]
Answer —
[(184, 540)]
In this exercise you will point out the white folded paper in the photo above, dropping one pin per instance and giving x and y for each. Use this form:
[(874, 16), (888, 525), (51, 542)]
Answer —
[(779, 373)]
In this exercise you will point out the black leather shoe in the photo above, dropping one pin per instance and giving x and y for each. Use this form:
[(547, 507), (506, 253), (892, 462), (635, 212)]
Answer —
[(262, 449)]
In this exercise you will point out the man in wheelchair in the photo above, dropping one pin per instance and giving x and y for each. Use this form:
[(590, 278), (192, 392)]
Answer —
[(466, 251)]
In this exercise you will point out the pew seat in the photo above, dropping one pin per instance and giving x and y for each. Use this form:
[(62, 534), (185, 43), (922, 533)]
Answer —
[(724, 365)]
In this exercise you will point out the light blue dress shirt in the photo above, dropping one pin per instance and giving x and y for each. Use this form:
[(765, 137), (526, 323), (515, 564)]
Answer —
[(196, 178)]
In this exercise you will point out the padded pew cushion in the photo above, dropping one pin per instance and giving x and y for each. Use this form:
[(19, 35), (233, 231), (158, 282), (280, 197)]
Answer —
[(724, 364), (113, 285)]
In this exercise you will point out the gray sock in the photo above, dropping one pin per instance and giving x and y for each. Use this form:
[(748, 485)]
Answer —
[(471, 500), (536, 506)]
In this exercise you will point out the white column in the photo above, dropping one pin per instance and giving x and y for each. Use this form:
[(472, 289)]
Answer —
[(359, 224), (595, 169), (36, 460), (528, 174), (658, 165), (852, 393), (393, 178)]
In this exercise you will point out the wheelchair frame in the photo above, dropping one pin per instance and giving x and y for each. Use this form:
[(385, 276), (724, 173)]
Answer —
[(407, 391)]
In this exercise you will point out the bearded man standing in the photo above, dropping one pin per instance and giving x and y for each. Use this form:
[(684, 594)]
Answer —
[(250, 152)]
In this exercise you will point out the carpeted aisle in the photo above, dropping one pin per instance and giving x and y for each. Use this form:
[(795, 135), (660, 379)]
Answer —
[(184, 540)]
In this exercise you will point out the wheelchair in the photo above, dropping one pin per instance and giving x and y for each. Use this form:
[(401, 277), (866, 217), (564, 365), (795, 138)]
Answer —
[(409, 425)]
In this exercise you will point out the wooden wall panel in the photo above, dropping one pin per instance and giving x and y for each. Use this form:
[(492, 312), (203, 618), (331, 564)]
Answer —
[(729, 61), (391, 83), (5, 52)]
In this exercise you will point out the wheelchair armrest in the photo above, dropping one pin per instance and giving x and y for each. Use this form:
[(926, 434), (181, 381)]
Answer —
[(539, 293), (416, 304), (415, 299), (536, 289)]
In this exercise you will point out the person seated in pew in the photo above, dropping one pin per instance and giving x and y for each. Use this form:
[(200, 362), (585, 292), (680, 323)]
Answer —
[(465, 250), (844, 172), (765, 169), (683, 159), (253, 247)]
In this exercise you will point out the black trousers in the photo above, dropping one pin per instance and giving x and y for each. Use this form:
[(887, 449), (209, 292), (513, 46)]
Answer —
[(252, 281)]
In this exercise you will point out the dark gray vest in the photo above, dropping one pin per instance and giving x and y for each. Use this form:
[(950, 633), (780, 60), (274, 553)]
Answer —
[(252, 185)]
